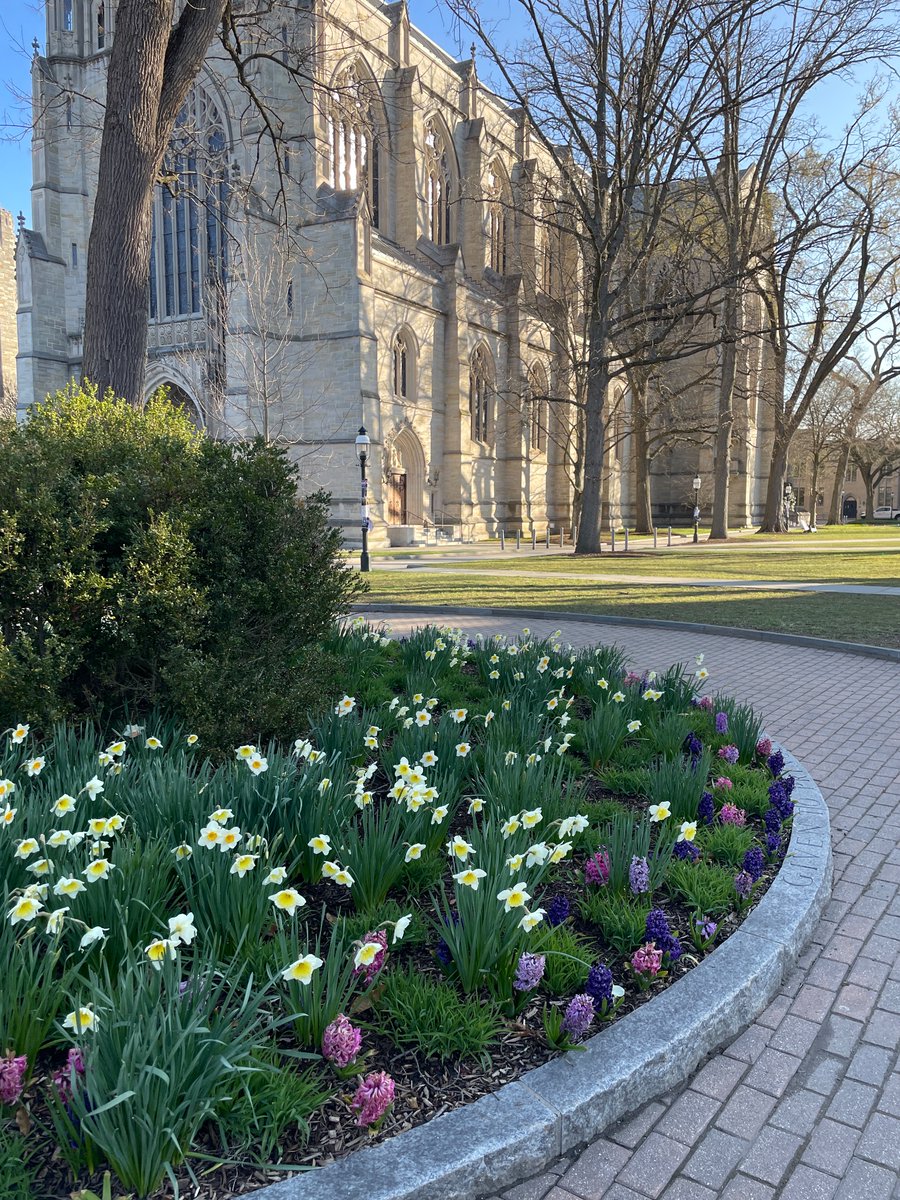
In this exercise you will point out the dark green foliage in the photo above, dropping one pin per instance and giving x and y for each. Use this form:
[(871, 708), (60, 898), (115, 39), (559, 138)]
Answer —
[(706, 888), (603, 732), (567, 960), (727, 844), (429, 1015), (422, 874), (744, 726), (600, 812), (667, 733), (627, 781), (681, 782), (359, 924), (17, 1180), (620, 919), (626, 838), (142, 563)]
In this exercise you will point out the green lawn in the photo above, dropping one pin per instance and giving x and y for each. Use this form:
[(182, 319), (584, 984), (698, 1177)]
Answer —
[(871, 619)]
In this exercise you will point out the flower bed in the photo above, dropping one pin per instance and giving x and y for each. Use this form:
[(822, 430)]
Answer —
[(479, 855)]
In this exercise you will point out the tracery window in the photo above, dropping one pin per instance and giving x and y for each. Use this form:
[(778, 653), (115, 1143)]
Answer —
[(101, 25), (438, 185), (481, 393), (537, 394), (402, 366), (190, 212), (498, 202), (353, 128)]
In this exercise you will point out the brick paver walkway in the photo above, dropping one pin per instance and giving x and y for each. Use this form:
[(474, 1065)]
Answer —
[(805, 1104)]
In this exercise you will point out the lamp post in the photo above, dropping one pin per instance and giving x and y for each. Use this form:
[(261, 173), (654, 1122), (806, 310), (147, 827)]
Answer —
[(696, 486), (362, 451), (788, 496)]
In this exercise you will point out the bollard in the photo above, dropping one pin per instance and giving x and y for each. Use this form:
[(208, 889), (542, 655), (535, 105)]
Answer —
[(534, 539), (626, 539), (670, 535), (502, 541), (548, 537), (612, 539), (561, 536), (654, 537), (518, 538)]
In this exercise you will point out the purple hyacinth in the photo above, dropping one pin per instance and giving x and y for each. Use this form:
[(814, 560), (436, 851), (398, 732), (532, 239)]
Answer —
[(579, 1016), (707, 927), (743, 884), (529, 972), (341, 1042), (686, 851), (754, 863), (639, 876), (658, 931), (599, 985), (596, 869), (730, 753), (787, 782), (775, 762), (773, 844), (772, 820), (764, 747), (706, 809), (558, 910), (693, 746), (721, 722), (780, 800)]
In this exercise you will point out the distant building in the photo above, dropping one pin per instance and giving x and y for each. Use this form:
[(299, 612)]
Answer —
[(9, 341)]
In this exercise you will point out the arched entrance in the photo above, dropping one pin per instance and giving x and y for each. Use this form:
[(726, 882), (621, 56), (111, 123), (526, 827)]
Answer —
[(179, 398), (406, 479)]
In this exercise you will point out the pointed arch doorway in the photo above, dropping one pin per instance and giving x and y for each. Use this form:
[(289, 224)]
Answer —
[(406, 480)]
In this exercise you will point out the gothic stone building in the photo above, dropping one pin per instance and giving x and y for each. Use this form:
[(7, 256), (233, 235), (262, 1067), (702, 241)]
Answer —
[(410, 294)]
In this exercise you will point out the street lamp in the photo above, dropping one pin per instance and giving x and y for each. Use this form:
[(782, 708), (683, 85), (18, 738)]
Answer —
[(362, 451), (788, 495), (696, 486)]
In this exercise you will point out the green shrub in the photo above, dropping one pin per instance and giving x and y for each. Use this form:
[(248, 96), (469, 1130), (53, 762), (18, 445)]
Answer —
[(706, 888), (627, 781), (567, 962), (430, 1015), (145, 564), (620, 919), (667, 733), (726, 843)]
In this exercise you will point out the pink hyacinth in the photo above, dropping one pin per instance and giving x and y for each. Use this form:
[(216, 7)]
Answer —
[(730, 814), (723, 783), (12, 1076), (596, 869), (341, 1042), (632, 677), (374, 1096), (62, 1079), (647, 960), (370, 971), (706, 703), (764, 747)]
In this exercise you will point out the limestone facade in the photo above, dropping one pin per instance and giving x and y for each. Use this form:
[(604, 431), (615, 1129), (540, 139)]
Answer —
[(9, 341)]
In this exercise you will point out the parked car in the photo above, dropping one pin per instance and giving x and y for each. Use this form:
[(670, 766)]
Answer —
[(884, 512)]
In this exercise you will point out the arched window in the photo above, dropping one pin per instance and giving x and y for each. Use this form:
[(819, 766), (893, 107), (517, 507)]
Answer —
[(403, 366), (545, 263), (499, 205), (438, 184), (481, 394), (190, 212), (101, 24), (355, 129), (537, 394)]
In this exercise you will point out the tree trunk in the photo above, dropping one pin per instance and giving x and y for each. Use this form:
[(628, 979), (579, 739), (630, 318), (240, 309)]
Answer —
[(869, 481), (589, 526), (640, 442), (814, 493), (151, 69), (840, 474), (774, 519), (722, 476)]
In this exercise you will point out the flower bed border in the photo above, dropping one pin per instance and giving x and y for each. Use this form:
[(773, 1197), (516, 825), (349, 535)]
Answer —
[(502, 1138)]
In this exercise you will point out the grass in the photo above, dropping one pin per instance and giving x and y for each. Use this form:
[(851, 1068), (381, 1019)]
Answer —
[(846, 617)]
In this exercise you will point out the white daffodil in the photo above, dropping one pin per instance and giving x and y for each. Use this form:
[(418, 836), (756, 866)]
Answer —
[(302, 970), (34, 766), (93, 787), (242, 863), (27, 847), (459, 848), (344, 706), (25, 909), (257, 764), (659, 812), (95, 934), (531, 919), (276, 875), (159, 950), (98, 869), (414, 852), (532, 818), (182, 929), (82, 1020), (439, 814), (470, 877), (687, 831), (153, 743), (400, 928), (633, 726), (67, 886), (514, 897), (288, 900), (19, 734), (65, 804)]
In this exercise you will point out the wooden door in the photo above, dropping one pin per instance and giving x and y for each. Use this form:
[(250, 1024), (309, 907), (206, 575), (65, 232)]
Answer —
[(397, 498)]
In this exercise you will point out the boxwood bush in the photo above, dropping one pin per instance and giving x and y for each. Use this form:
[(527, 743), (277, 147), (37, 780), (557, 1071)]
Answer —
[(144, 564)]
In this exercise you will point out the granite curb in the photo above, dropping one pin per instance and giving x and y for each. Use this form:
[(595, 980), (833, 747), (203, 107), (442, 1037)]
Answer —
[(537, 614), (488, 1146)]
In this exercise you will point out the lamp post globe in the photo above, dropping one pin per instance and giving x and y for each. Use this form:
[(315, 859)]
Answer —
[(362, 452), (696, 485)]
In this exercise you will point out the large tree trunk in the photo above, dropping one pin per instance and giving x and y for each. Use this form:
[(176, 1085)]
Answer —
[(589, 526), (640, 442), (869, 481), (774, 519), (814, 493), (151, 68), (840, 474), (722, 476)]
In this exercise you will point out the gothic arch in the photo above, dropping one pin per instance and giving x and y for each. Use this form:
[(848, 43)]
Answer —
[(441, 181), (482, 398), (499, 203), (537, 392), (405, 473), (179, 395), (357, 135), (404, 365)]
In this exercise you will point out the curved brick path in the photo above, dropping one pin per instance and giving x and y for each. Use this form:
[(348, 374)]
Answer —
[(805, 1104)]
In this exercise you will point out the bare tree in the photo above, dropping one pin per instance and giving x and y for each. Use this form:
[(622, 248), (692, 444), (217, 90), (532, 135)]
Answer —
[(876, 450), (823, 430)]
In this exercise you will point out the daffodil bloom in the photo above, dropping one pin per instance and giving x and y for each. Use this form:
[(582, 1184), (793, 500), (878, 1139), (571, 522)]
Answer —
[(415, 801), (302, 747), (552, 703), (687, 831), (429, 794), (302, 970), (531, 919), (414, 778), (514, 863), (659, 812), (532, 818), (132, 731), (343, 878), (320, 844), (192, 739), (494, 658), (242, 863), (510, 757), (7, 787), (98, 869), (633, 726), (514, 897), (329, 870), (65, 804), (229, 839), (245, 751), (618, 697), (59, 837), (98, 849), (476, 804), (440, 644), (537, 854), (288, 900), (423, 717), (511, 826), (95, 934), (75, 839), (182, 929), (221, 816), (56, 919), (400, 927), (458, 847), (104, 759), (459, 715), (560, 852), (116, 769), (25, 910), (27, 847), (429, 759), (344, 706), (439, 814), (324, 785), (430, 655), (97, 826), (403, 710), (370, 742), (493, 675), (19, 734), (489, 716), (532, 760), (543, 664), (702, 674), (183, 851), (470, 877), (34, 766), (67, 886), (315, 755), (93, 787), (571, 825), (257, 764), (506, 705), (41, 866), (418, 697), (8, 815), (153, 743), (276, 875), (159, 950), (82, 1020), (603, 683), (414, 852), (366, 954), (402, 768), (462, 749)]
